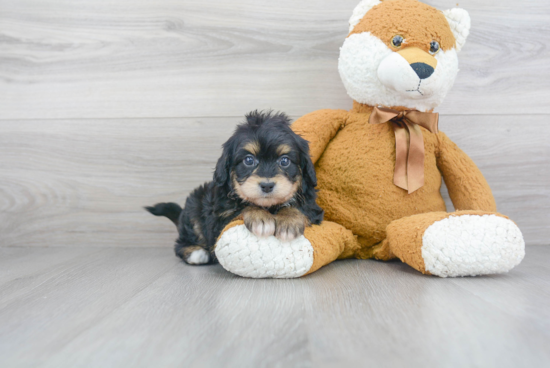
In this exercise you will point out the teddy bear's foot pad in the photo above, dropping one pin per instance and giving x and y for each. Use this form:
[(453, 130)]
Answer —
[(471, 245), (244, 254)]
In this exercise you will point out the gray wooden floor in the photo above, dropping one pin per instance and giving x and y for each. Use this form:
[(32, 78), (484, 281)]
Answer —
[(123, 307)]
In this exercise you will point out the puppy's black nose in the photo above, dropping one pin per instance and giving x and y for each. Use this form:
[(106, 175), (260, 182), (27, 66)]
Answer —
[(422, 70), (267, 187)]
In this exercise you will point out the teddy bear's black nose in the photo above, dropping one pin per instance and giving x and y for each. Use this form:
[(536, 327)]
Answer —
[(422, 70)]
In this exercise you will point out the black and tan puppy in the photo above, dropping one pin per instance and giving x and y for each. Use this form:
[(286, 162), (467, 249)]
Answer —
[(265, 174)]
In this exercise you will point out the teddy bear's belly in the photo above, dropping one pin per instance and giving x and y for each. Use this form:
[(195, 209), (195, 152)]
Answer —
[(355, 182)]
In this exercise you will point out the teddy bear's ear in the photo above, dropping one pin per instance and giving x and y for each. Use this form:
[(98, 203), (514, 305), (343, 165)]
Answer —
[(360, 11), (459, 20)]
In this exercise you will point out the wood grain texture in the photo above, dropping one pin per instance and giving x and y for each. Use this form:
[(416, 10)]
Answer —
[(22, 269), (144, 308), (83, 183), (70, 297), (173, 58)]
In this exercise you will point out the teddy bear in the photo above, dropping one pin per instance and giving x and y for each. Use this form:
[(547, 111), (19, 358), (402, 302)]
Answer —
[(380, 165)]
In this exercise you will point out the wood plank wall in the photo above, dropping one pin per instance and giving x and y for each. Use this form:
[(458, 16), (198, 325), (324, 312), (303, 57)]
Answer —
[(106, 106)]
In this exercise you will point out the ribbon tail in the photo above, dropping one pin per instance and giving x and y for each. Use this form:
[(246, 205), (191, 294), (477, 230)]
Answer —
[(401, 152), (426, 120), (415, 160), (409, 143)]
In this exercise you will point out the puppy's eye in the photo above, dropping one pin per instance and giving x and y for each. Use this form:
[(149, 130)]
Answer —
[(285, 161), (434, 47), (249, 160), (397, 41)]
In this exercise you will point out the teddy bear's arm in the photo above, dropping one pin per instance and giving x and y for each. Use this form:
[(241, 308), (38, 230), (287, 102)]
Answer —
[(467, 187), (318, 128)]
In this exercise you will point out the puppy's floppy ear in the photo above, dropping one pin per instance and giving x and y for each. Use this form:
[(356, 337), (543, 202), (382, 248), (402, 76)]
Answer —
[(309, 178), (223, 167)]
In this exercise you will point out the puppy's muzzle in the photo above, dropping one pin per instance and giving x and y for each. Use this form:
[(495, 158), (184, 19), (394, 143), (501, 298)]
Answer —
[(267, 187)]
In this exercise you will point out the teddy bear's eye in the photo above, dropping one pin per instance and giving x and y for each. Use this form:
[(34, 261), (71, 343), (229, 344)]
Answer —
[(397, 41), (434, 47)]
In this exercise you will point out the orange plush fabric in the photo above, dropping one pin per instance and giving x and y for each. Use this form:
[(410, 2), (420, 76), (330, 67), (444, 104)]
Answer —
[(467, 187), (355, 174), (418, 23), (330, 241)]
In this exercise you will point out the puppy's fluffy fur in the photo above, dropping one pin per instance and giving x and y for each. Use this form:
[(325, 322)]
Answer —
[(265, 174)]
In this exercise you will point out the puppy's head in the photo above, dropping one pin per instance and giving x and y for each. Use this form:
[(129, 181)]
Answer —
[(265, 162)]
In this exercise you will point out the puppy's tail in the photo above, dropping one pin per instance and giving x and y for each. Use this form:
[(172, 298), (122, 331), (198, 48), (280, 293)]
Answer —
[(170, 210)]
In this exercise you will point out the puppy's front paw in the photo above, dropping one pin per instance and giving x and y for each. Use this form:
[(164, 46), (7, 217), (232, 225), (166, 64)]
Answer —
[(289, 224), (288, 231), (258, 221)]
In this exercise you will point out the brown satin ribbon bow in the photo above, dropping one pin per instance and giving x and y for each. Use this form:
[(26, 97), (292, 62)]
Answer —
[(409, 144)]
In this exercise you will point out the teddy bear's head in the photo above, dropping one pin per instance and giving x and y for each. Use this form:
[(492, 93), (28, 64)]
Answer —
[(402, 53)]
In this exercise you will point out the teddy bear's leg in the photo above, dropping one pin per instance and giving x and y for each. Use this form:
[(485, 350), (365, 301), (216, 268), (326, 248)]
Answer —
[(242, 253), (462, 243)]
